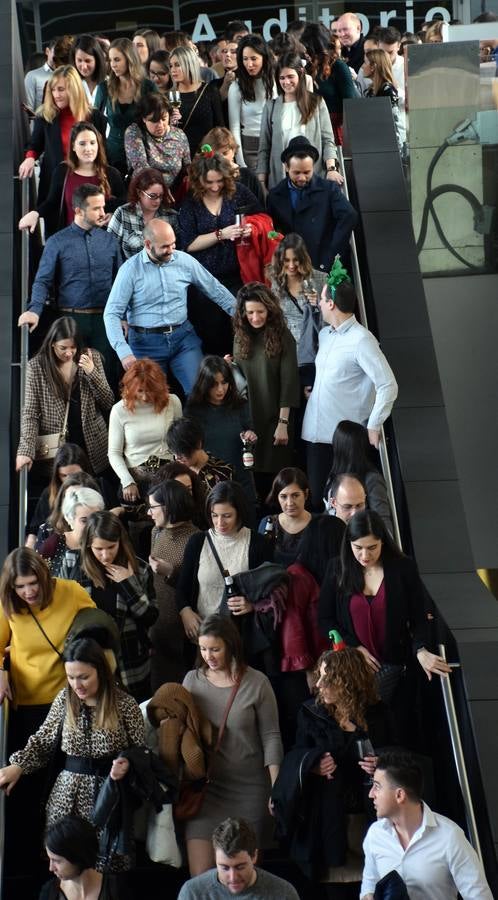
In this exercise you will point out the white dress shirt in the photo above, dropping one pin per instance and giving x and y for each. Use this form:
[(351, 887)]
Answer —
[(353, 381), (438, 863)]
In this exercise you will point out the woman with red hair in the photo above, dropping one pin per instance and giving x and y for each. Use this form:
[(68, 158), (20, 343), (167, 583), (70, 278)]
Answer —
[(147, 199), (138, 426)]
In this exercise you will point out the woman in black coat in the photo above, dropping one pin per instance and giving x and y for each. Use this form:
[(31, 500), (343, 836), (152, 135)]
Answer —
[(325, 777), (201, 585), (374, 596), (64, 104)]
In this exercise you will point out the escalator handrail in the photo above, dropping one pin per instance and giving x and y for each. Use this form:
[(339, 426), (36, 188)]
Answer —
[(449, 705), (384, 459), (4, 718), (23, 358)]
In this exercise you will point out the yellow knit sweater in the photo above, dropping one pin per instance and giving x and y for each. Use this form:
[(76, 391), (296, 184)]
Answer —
[(36, 672)]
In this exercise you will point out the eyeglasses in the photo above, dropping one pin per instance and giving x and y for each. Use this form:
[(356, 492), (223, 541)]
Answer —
[(157, 74), (347, 507), (157, 506), (152, 196)]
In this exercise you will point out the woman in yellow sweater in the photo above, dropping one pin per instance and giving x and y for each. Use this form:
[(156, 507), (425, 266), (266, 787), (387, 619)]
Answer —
[(37, 613)]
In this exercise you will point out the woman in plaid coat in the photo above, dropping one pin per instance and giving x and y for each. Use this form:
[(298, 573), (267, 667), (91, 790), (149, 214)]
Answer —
[(63, 370)]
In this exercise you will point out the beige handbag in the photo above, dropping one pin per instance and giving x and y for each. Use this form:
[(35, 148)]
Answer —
[(47, 445)]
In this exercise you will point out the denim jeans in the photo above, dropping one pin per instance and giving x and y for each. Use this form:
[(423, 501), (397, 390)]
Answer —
[(180, 351)]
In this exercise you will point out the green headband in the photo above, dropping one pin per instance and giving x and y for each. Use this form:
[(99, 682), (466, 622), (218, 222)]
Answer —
[(337, 275)]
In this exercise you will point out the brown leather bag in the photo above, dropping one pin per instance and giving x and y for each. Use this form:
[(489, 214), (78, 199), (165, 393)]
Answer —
[(192, 793)]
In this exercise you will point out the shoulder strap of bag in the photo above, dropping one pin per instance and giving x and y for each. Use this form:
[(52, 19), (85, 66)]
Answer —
[(214, 551), (233, 694), (191, 113), (66, 416), (44, 633)]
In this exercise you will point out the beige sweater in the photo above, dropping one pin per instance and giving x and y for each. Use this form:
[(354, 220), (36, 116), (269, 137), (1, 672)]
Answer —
[(133, 437)]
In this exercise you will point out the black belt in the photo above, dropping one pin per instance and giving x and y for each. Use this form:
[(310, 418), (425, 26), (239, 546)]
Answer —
[(87, 765), (85, 310), (159, 329)]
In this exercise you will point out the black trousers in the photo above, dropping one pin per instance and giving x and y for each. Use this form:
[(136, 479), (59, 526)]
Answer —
[(318, 465)]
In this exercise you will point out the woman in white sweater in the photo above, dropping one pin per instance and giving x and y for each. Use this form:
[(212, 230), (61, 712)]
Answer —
[(247, 96), (138, 426)]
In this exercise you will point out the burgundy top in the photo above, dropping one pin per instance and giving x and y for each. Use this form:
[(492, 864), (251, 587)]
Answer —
[(74, 181), (369, 620)]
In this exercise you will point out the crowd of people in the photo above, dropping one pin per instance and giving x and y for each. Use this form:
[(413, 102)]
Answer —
[(210, 610)]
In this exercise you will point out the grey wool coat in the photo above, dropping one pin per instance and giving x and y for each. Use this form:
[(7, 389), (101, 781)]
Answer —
[(318, 131), (43, 413)]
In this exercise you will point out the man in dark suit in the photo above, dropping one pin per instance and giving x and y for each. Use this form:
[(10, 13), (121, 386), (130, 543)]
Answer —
[(313, 207)]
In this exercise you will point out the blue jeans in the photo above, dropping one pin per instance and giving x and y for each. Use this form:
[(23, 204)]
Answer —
[(180, 351)]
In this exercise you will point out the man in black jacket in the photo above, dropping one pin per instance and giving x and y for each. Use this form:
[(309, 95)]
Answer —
[(311, 206)]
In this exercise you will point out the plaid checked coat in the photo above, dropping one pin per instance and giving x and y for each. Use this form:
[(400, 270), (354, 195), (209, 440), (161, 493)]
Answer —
[(44, 414)]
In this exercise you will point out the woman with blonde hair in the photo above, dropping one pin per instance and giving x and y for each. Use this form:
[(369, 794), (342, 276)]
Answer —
[(118, 97), (62, 549), (138, 426), (86, 163), (200, 102), (378, 67), (64, 104)]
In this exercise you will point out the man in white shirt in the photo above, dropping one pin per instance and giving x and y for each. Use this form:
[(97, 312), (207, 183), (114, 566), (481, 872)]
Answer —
[(353, 381), (429, 851)]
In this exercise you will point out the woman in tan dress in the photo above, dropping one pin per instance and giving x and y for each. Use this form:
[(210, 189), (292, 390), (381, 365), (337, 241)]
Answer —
[(248, 760), (171, 508)]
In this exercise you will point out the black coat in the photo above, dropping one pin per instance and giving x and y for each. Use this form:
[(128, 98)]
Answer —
[(310, 810), (46, 139), (53, 209), (408, 605), (324, 218)]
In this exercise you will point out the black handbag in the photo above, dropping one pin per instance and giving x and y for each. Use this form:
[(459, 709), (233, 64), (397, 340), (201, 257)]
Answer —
[(391, 887)]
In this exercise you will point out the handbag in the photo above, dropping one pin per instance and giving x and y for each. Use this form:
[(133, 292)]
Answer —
[(192, 793), (47, 445), (391, 887)]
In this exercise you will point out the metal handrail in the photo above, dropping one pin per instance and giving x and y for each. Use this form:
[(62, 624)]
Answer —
[(458, 754), (449, 702), (23, 359), (384, 459), (4, 719)]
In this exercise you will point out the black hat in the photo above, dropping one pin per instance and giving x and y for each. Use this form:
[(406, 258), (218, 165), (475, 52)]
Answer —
[(299, 144)]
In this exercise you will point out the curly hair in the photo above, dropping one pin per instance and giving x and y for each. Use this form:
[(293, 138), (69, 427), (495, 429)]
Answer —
[(142, 181), (353, 682), (275, 322), (145, 375), (100, 162), (210, 367), (199, 169), (135, 70)]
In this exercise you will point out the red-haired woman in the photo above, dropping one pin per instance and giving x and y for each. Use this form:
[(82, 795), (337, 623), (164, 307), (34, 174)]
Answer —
[(138, 426), (145, 202), (266, 352)]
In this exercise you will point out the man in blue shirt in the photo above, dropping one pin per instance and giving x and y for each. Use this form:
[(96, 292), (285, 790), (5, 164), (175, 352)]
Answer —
[(79, 264), (150, 291)]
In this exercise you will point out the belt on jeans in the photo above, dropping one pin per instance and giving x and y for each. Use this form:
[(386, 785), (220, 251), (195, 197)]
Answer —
[(86, 311), (159, 329)]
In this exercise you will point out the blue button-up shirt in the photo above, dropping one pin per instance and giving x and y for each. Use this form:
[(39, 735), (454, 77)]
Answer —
[(79, 266), (149, 294)]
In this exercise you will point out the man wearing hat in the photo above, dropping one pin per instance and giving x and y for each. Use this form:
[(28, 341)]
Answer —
[(313, 207)]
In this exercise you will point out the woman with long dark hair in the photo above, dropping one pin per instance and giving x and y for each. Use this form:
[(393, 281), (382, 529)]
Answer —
[(374, 596), (68, 460), (64, 104), (224, 415), (330, 73), (352, 454), (171, 508), (296, 111), (66, 391), (152, 141), (265, 351), (145, 41), (291, 490), (86, 163), (247, 96), (122, 585), (93, 721), (118, 97), (247, 762), (88, 59), (147, 193)]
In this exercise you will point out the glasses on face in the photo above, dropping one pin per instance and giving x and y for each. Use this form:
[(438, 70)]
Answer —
[(350, 507), (157, 74), (155, 506), (152, 196)]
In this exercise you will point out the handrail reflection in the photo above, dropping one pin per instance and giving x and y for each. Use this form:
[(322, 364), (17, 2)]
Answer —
[(23, 358)]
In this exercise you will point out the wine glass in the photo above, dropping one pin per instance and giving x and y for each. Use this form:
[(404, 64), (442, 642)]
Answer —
[(174, 99), (310, 291), (365, 748)]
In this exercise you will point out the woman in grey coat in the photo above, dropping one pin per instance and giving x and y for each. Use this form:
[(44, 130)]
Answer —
[(296, 111)]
